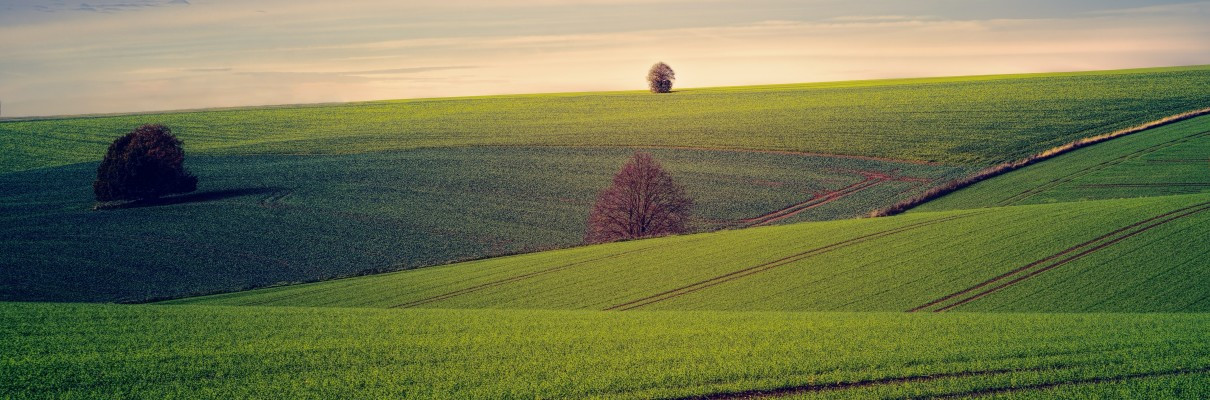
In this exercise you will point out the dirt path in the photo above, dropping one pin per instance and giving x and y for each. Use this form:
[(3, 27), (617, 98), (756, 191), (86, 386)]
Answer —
[(1056, 260), (1019, 197), (741, 273)]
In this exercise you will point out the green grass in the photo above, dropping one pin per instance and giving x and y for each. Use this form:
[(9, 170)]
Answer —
[(908, 262), (1173, 159), (262, 220), (103, 351), (965, 120), (299, 193)]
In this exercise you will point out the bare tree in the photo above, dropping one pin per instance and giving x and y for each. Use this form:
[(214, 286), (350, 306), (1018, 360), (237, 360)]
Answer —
[(660, 78), (642, 202)]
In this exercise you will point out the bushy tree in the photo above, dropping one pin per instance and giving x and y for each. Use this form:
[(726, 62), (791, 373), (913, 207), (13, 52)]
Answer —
[(660, 78), (144, 164), (643, 201)]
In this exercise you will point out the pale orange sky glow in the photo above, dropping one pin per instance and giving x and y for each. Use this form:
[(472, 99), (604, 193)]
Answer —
[(62, 58)]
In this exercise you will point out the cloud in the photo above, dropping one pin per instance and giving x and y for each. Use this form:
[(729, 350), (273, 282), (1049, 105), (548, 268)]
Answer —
[(880, 18), (218, 69), (1198, 8), (390, 74), (100, 6), (405, 70)]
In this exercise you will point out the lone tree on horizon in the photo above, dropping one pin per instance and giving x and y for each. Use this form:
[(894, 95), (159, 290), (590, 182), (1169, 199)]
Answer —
[(660, 78), (643, 201), (144, 164)]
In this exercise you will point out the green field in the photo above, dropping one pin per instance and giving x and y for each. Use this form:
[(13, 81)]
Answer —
[(93, 351), (1081, 276), (303, 193), (1173, 159), (261, 220), (883, 264), (964, 120)]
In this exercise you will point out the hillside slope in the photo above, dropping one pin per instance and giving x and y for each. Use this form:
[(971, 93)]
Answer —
[(1131, 255), (1173, 159), (263, 220), (962, 120)]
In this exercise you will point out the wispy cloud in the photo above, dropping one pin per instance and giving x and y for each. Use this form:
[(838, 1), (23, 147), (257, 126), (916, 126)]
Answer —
[(96, 6), (1186, 9)]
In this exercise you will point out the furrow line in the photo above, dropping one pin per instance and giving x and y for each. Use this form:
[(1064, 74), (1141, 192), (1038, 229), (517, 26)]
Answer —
[(1036, 272), (763, 218), (737, 274), (500, 282), (1049, 258), (1094, 380), (869, 183), (1085, 171), (1144, 185)]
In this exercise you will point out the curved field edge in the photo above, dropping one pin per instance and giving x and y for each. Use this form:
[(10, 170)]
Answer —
[(1004, 168), (1164, 160), (169, 351), (1114, 255), (973, 121)]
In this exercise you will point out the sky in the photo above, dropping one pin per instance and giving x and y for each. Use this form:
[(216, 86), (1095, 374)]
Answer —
[(102, 56)]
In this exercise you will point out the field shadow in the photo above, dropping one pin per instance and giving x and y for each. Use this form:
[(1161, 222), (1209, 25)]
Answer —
[(199, 197)]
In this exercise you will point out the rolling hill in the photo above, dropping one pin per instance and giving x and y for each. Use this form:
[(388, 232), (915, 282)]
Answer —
[(978, 120), (268, 219), (1079, 276), (1173, 159), (1133, 255), (303, 193)]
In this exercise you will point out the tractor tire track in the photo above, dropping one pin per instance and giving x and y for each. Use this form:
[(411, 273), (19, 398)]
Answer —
[(512, 279), (274, 200), (1180, 160), (798, 390), (1019, 197), (814, 202), (1094, 380), (870, 180), (1143, 185), (1081, 250), (741, 273)]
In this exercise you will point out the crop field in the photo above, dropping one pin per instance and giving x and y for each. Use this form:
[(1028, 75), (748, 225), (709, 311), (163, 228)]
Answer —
[(262, 220), (1092, 256), (965, 120), (294, 270), (1173, 159), (312, 193), (91, 351)]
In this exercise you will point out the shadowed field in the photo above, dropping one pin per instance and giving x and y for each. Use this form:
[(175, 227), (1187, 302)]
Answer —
[(260, 220)]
